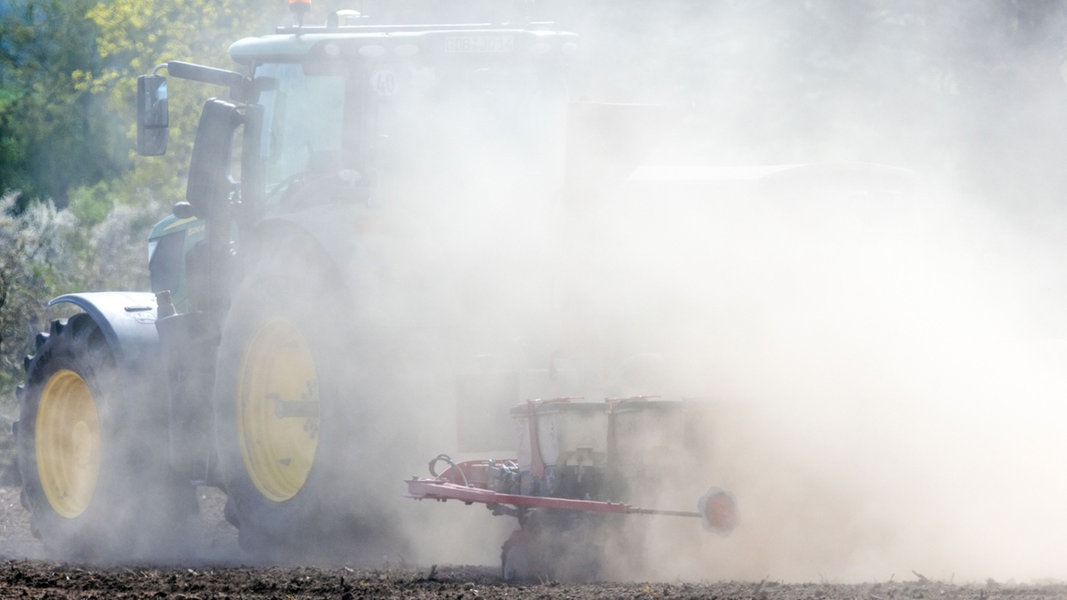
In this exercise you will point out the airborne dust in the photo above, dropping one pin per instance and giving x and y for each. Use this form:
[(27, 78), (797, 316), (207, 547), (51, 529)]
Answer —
[(881, 354), (880, 361)]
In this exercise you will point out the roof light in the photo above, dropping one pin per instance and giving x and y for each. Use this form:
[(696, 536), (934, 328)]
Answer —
[(299, 8), (347, 16)]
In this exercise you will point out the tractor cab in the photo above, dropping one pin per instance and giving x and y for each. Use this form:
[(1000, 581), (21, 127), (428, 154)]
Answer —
[(446, 121), (367, 112)]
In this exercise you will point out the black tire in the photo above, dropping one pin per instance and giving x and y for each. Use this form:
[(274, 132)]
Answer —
[(294, 414), (558, 545), (92, 454), (516, 562)]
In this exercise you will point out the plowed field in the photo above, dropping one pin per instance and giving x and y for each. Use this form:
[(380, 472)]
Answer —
[(26, 573)]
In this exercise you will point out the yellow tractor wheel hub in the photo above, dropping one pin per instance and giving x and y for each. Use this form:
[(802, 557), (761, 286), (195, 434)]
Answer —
[(67, 439), (278, 409)]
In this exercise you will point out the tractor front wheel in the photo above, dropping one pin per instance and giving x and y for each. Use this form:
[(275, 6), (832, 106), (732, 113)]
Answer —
[(95, 476)]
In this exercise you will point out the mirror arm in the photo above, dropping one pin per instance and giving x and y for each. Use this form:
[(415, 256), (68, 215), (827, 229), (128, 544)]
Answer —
[(240, 86)]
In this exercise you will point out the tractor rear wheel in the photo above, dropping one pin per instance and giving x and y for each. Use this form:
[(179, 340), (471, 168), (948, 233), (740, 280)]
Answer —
[(293, 417), (95, 477)]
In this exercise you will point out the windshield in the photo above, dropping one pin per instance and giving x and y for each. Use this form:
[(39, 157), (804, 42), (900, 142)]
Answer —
[(382, 128), (302, 121)]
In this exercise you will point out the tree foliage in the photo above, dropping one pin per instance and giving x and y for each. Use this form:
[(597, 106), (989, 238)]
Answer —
[(53, 133)]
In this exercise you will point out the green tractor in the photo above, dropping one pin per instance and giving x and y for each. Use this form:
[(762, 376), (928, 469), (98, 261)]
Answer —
[(289, 303)]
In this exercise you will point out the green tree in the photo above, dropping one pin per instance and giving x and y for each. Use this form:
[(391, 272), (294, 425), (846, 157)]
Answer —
[(67, 77), (53, 135)]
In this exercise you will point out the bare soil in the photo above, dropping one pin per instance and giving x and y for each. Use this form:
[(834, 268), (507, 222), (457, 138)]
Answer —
[(26, 572), (42, 579)]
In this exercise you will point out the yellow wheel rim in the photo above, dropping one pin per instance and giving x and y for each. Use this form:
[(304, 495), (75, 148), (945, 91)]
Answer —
[(278, 410), (67, 443)]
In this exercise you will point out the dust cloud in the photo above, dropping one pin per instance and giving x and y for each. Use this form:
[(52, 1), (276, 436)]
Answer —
[(874, 325)]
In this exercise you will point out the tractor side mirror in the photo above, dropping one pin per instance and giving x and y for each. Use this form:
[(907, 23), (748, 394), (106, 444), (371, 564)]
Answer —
[(153, 118)]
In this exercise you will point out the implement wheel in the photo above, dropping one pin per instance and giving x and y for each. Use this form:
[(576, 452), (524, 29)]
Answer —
[(92, 453)]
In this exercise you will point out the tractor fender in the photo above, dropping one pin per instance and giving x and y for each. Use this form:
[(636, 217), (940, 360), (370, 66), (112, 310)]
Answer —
[(127, 320), (365, 256), (333, 230), (339, 235)]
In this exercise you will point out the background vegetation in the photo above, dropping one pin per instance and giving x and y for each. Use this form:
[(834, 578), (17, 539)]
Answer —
[(77, 203)]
